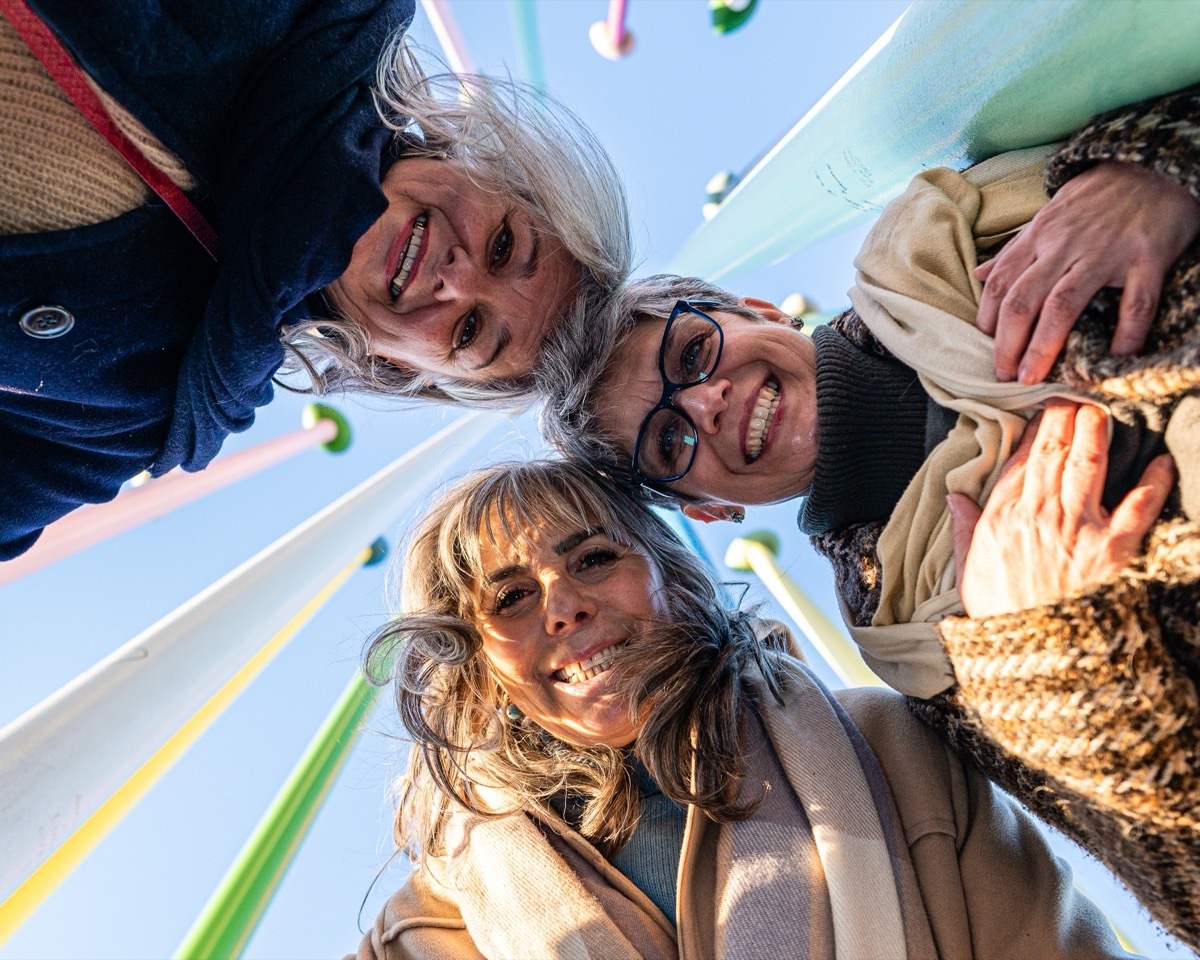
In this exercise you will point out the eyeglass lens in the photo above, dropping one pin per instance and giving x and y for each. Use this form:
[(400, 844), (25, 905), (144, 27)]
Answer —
[(668, 440)]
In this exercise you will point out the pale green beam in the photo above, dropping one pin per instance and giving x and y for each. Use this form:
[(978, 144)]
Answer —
[(950, 83), (529, 46), (232, 913)]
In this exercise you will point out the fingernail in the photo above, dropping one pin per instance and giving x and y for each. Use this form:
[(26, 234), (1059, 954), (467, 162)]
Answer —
[(952, 505)]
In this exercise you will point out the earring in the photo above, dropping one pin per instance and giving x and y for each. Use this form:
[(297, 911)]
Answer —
[(737, 515), (513, 714), (797, 323)]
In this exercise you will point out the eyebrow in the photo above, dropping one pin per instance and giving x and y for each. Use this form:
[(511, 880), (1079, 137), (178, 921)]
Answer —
[(563, 546), (531, 264), (502, 341)]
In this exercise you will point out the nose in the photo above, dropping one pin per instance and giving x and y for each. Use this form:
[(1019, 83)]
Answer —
[(566, 607), (457, 276), (704, 403)]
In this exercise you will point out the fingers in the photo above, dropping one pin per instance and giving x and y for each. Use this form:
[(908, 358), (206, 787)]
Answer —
[(1059, 312), (1086, 465), (1139, 301), (964, 516), (1135, 514), (1051, 447)]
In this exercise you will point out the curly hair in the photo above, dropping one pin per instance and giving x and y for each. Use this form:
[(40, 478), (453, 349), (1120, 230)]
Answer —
[(509, 138), (684, 674)]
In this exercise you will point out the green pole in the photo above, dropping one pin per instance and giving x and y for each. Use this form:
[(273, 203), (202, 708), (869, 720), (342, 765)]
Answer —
[(232, 913)]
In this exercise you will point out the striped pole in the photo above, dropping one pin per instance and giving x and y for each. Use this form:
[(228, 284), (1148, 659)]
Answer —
[(230, 917), (1021, 74), (93, 523), (78, 761), (757, 552)]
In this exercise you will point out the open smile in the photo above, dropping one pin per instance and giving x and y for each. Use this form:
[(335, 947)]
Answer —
[(762, 417), (409, 257), (590, 667)]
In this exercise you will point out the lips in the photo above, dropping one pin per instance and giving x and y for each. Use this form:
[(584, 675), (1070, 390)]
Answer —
[(408, 257), (590, 667), (762, 415)]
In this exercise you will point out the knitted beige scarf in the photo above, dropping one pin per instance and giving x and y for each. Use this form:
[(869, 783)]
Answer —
[(530, 886), (916, 292)]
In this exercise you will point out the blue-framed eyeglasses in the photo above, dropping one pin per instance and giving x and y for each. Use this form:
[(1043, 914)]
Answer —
[(689, 354)]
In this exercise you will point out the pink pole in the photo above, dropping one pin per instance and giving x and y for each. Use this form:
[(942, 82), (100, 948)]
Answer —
[(92, 523), (616, 22), (445, 28)]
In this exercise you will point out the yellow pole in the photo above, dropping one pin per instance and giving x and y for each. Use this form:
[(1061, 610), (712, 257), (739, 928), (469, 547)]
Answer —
[(58, 866), (757, 552)]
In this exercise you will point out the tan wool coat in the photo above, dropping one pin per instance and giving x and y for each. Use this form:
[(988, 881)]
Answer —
[(985, 884)]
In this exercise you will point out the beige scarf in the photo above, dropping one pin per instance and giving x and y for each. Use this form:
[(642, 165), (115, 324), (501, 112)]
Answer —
[(917, 293), (537, 889)]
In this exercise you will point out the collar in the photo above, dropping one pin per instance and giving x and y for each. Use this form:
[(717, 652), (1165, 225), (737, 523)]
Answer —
[(871, 418)]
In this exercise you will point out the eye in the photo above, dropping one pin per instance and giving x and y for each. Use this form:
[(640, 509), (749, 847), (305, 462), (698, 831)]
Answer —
[(502, 246), (597, 558), (508, 597), (467, 332), (693, 358), (670, 435)]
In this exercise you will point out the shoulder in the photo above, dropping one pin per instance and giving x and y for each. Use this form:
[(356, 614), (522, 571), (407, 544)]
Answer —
[(416, 922)]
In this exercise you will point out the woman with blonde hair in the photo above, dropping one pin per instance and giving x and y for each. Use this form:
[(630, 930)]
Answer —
[(608, 762)]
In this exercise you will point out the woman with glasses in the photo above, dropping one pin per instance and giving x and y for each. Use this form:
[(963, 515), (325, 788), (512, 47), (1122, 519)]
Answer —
[(608, 763), (1074, 685)]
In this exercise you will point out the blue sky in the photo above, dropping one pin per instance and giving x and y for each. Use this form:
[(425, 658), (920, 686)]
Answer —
[(683, 106)]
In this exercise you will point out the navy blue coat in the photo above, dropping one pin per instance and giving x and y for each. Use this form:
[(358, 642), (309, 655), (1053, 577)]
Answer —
[(267, 103)]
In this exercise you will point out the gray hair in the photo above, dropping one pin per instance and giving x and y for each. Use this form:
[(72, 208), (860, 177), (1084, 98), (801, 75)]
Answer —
[(575, 367), (685, 674), (508, 137)]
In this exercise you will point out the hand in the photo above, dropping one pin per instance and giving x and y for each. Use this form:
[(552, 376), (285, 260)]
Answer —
[(1115, 225), (1043, 534)]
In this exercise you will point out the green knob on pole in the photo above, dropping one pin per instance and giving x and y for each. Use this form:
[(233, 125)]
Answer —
[(736, 557), (314, 413)]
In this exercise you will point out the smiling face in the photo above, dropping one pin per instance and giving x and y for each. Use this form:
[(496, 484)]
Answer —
[(755, 417), (552, 608), (454, 279)]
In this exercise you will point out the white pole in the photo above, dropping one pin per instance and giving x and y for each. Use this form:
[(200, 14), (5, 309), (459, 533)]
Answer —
[(61, 760)]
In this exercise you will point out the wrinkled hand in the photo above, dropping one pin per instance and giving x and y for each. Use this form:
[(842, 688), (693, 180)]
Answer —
[(1044, 534), (1115, 225)]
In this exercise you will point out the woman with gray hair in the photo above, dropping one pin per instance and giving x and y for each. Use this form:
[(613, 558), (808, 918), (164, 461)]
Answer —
[(1073, 681), (607, 762), (323, 202)]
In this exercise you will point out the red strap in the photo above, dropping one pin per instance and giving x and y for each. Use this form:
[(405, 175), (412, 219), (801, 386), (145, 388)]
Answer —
[(66, 73)]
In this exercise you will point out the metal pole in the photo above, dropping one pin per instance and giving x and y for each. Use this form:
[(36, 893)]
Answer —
[(445, 27), (232, 913), (94, 523), (529, 47), (757, 552), (1022, 74), (60, 762)]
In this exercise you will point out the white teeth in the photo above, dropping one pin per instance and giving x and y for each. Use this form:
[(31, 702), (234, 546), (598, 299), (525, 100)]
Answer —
[(760, 419), (409, 256), (593, 666)]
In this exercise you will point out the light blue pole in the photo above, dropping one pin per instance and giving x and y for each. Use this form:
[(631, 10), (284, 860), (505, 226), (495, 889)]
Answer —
[(950, 83)]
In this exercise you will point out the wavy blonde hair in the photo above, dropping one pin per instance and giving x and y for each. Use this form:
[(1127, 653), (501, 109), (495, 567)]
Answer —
[(510, 138), (684, 674)]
